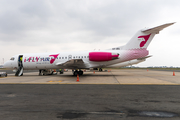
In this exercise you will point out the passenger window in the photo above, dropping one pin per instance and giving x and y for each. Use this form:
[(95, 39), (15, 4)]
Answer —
[(65, 57), (84, 56), (59, 57), (81, 56), (62, 57), (74, 57), (87, 56)]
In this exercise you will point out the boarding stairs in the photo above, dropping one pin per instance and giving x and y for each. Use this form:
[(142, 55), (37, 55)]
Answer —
[(19, 72)]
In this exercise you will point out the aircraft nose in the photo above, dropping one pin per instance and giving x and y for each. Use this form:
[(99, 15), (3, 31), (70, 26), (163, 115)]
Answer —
[(6, 65)]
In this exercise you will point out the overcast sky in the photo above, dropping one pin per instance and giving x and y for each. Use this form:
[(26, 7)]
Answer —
[(34, 26)]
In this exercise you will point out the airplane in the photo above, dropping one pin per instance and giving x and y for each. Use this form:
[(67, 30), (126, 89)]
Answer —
[(135, 51)]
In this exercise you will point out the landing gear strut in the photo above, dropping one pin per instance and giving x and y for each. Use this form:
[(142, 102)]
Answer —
[(40, 72)]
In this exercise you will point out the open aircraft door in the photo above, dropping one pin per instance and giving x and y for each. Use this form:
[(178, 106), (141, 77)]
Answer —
[(19, 71)]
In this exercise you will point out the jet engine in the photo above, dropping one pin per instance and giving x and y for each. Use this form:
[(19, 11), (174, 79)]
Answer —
[(102, 56)]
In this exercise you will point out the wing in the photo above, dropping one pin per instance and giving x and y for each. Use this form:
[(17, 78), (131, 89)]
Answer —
[(74, 64)]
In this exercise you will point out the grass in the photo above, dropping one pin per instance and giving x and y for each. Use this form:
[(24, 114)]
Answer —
[(133, 68), (148, 68)]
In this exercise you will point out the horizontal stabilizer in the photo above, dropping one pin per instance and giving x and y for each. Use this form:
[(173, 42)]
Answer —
[(144, 57), (156, 29)]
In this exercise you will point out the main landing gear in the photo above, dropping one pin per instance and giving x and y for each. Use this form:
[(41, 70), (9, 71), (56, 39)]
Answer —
[(76, 72), (100, 69)]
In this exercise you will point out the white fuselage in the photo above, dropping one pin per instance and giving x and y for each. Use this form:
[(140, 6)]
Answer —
[(54, 60)]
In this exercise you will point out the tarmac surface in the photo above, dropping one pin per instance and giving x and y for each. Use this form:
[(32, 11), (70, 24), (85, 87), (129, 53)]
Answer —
[(11, 72), (117, 94), (122, 76)]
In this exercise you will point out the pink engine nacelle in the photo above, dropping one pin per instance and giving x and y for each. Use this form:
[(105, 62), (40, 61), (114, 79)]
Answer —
[(102, 56)]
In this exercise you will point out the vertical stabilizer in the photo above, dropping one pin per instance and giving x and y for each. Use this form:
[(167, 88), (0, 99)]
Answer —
[(143, 37)]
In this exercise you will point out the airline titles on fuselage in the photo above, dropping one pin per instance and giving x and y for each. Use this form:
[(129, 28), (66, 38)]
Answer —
[(50, 59)]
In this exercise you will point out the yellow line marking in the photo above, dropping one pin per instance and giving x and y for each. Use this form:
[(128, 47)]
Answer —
[(8, 77), (55, 81), (89, 83)]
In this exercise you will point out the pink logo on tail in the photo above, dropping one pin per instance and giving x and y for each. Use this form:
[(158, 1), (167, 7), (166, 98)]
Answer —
[(53, 59), (146, 37)]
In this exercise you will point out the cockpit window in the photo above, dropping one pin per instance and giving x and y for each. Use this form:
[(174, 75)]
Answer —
[(12, 58)]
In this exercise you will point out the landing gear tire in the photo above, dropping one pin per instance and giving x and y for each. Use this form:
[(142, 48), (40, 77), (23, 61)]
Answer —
[(75, 73), (100, 69), (80, 72)]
